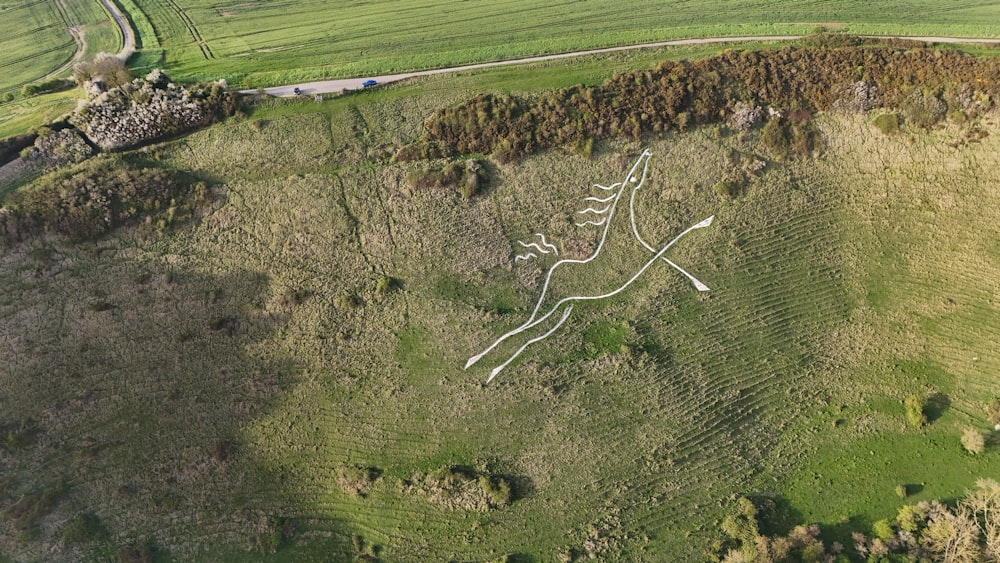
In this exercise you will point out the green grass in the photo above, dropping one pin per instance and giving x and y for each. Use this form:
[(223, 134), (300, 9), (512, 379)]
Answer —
[(22, 115), (713, 394), (248, 43), (35, 41)]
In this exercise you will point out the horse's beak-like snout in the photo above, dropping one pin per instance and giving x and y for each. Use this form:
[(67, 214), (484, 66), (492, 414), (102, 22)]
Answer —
[(638, 172)]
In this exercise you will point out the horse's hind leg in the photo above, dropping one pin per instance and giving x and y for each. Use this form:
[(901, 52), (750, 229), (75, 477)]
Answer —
[(496, 370)]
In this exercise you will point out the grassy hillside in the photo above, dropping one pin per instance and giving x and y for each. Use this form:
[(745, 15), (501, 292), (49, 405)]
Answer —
[(209, 387), (270, 43), (35, 39)]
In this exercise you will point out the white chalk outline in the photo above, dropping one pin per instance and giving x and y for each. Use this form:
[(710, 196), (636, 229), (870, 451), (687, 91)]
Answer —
[(594, 211), (606, 221), (546, 244), (533, 245), (600, 199)]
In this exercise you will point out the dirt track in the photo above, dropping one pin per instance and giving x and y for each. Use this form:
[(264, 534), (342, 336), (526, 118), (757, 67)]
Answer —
[(329, 86)]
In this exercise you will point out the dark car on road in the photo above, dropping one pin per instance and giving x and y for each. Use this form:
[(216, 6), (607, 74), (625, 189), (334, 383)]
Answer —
[(368, 83)]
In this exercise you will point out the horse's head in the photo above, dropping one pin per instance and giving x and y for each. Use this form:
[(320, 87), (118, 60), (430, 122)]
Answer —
[(637, 174)]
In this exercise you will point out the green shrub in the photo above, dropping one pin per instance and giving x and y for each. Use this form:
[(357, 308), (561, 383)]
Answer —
[(915, 413), (467, 175), (29, 509), (142, 552), (355, 480), (46, 87), (887, 123), (909, 518), (923, 109), (347, 301), (883, 529), (102, 194), (463, 488), (83, 528), (727, 188), (902, 491), (774, 137), (278, 532), (386, 285), (993, 411)]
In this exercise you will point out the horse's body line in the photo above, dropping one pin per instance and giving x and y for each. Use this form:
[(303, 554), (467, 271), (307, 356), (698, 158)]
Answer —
[(534, 320), (575, 298), (548, 276), (497, 369), (635, 230)]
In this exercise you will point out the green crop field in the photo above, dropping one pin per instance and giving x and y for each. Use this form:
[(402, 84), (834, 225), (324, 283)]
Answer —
[(258, 43), (203, 387), (35, 37)]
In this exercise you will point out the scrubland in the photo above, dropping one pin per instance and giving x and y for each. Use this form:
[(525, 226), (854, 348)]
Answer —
[(279, 377)]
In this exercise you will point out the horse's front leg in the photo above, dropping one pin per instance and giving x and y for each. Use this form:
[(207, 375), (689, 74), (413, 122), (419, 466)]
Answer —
[(565, 316)]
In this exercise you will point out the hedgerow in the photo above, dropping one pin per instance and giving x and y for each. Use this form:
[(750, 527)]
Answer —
[(843, 74)]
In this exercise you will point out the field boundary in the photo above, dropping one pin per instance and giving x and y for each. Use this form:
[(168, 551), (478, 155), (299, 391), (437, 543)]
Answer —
[(338, 85)]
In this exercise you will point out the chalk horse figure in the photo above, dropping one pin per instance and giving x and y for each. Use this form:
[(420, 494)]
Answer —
[(632, 182)]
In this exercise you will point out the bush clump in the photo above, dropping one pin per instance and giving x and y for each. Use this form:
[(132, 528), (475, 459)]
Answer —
[(790, 137), (84, 527), (46, 87), (54, 149), (462, 488), (142, 552), (355, 480), (887, 123), (468, 176), (145, 110), (923, 109), (29, 509), (102, 194), (973, 441), (915, 411), (993, 411), (729, 87)]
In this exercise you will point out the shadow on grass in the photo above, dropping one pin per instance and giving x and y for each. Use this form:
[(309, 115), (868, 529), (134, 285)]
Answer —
[(936, 406), (143, 405), (777, 515)]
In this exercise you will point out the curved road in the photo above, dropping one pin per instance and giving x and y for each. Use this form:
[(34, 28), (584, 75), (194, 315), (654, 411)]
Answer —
[(128, 36), (329, 86)]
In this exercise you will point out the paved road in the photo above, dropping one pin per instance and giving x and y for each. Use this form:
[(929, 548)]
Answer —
[(328, 86), (128, 36)]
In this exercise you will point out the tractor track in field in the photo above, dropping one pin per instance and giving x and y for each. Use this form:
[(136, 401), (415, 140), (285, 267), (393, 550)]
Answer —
[(206, 51)]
